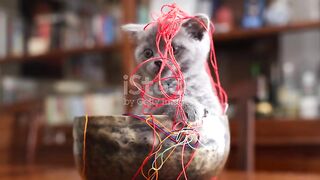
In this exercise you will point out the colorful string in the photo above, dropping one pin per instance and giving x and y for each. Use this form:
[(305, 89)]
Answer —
[(182, 138)]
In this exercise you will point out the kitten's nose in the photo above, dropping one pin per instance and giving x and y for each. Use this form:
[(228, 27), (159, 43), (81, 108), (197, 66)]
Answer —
[(158, 63)]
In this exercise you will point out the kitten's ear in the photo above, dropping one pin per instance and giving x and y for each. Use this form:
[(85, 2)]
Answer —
[(133, 29), (197, 26)]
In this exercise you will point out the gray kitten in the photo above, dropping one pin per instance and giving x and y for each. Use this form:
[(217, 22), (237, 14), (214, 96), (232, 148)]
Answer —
[(191, 47)]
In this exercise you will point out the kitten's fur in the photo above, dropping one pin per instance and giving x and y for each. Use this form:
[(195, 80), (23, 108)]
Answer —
[(192, 46)]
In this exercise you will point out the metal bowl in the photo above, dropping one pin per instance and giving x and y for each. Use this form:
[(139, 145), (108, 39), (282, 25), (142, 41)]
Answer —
[(116, 146)]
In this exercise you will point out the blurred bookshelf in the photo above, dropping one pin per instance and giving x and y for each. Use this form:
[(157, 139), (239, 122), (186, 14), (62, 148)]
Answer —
[(245, 34), (23, 105), (61, 53), (282, 132), (281, 145), (82, 41), (57, 35)]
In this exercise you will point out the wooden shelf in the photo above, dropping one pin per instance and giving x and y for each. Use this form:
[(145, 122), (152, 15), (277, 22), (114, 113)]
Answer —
[(60, 53), (283, 132), (21, 106), (219, 37), (265, 31)]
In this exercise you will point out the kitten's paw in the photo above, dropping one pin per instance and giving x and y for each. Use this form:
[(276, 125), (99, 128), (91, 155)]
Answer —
[(193, 110)]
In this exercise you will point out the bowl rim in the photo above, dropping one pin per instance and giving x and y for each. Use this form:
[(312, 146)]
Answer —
[(115, 116)]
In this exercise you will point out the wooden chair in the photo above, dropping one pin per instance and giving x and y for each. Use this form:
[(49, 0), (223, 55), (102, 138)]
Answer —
[(244, 92), (27, 118), (28, 133)]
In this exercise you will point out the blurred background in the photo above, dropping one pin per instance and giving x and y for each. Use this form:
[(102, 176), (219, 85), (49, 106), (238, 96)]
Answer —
[(60, 59)]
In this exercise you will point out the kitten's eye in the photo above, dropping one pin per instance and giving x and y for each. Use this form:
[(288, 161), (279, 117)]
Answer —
[(175, 49), (148, 53)]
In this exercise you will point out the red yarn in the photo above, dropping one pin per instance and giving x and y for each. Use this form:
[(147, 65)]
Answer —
[(169, 24)]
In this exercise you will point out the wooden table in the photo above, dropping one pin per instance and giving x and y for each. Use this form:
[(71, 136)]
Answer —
[(267, 176), (37, 173), (47, 173)]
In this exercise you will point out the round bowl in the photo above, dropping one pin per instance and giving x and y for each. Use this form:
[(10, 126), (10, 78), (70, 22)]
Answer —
[(116, 146)]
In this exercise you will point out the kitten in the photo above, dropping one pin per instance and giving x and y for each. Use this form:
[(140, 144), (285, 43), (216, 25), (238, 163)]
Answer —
[(191, 47)]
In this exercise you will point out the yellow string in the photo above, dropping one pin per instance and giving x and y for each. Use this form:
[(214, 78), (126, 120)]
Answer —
[(158, 148), (158, 122), (84, 147)]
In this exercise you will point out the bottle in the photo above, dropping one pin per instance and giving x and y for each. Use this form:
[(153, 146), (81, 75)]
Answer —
[(253, 13), (278, 13), (224, 21), (263, 107), (309, 105), (288, 95), (17, 38)]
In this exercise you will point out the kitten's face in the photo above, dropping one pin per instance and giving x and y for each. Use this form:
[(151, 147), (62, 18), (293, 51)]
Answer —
[(191, 46)]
